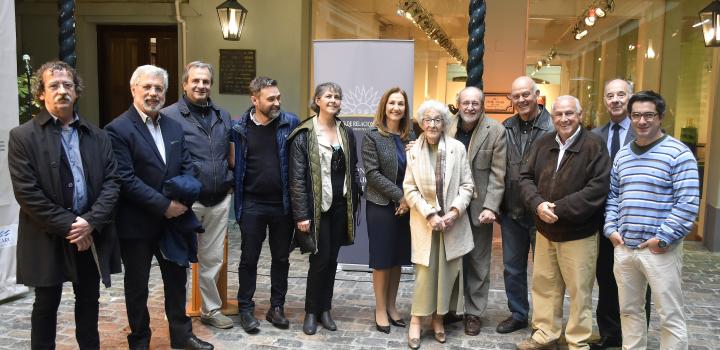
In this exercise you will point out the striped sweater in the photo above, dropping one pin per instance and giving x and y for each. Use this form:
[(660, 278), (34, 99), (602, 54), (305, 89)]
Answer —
[(654, 194)]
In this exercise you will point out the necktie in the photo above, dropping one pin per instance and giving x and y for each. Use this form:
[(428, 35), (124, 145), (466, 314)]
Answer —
[(615, 143)]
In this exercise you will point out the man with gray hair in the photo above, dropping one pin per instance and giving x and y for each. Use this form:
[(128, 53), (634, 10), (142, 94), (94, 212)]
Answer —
[(484, 140), (565, 183), (207, 135), (150, 149)]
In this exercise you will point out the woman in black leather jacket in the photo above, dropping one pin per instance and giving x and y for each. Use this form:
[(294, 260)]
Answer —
[(324, 193)]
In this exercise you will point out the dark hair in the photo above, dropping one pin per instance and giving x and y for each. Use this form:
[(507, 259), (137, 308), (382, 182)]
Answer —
[(259, 83), (198, 65), (320, 89), (380, 120), (38, 87), (648, 96)]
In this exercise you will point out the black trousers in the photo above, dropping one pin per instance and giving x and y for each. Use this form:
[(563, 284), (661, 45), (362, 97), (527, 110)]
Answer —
[(256, 220), (137, 256), (608, 306), (321, 274), (47, 300)]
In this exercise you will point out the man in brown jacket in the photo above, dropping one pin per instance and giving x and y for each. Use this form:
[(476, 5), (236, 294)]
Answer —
[(565, 182)]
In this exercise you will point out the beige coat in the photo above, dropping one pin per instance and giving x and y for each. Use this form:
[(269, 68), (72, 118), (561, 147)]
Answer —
[(487, 163), (420, 195)]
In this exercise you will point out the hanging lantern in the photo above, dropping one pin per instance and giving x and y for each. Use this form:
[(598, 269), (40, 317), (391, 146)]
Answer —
[(232, 18), (710, 22)]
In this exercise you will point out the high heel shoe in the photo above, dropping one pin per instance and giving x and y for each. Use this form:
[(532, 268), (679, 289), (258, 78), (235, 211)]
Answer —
[(440, 337), (383, 329), (397, 323), (413, 343)]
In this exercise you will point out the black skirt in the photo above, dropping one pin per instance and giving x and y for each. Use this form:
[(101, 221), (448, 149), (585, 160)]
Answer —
[(388, 236)]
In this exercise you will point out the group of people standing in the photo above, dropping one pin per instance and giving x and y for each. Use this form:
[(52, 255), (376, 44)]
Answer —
[(158, 182)]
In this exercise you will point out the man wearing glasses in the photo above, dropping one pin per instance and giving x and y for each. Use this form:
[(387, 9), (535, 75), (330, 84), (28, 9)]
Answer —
[(484, 140), (565, 183), (262, 201), (518, 227), (651, 207)]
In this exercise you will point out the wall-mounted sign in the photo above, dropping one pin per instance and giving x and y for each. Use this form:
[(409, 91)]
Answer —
[(498, 103), (237, 69)]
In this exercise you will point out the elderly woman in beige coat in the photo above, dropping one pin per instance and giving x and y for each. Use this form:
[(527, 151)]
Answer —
[(438, 187)]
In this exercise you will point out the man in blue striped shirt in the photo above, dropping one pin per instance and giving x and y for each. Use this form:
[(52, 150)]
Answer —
[(651, 207)]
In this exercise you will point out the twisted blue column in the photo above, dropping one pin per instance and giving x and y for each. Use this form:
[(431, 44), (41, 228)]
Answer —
[(66, 38), (476, 44)]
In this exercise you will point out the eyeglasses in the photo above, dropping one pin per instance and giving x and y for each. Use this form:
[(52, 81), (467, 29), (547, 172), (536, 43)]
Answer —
[(564, 114), (648, 116), (470, 103), (55, 86), (517, 97), (428, 121)]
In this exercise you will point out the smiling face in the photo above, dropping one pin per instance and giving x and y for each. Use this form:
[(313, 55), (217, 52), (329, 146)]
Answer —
[(197, 86), (267, 102), (395, 108), (646, 122), (524, 99), (470, 104), (329, 102), (617, 95), (59, 93), (433, 125), (566, 117), (149, 94)]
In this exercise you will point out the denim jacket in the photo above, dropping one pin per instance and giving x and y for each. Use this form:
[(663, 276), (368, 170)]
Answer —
[(238, 135)]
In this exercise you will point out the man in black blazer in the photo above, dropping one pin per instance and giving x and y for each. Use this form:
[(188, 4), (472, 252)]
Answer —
[(616, 133), (63, 175), (150, 149)]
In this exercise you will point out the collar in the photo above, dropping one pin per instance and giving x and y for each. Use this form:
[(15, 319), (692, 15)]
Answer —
[(570, 139), (144, 116), (74, 123), (625, 123), (252, 117)]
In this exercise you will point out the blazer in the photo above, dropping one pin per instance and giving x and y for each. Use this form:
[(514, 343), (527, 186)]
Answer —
[(486, 154), (604, 132), (381, 165), (141, 207), (40, 176), (422, 199)]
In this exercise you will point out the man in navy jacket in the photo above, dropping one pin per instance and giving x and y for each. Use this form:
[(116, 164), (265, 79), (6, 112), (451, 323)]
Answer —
[(150, 149)]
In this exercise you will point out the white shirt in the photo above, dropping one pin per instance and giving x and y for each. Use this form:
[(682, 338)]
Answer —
[(155, 132), (566, 145)]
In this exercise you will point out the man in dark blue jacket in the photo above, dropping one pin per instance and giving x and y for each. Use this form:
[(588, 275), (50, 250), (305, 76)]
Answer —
[(261, 198), (207, 132), (150, 149)]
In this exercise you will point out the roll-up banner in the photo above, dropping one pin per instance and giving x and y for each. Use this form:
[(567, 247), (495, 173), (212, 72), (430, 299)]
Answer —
[(8, 119), (364, 69)]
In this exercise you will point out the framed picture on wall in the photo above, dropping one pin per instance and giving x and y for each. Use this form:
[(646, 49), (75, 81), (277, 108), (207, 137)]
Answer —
[(498, 103)]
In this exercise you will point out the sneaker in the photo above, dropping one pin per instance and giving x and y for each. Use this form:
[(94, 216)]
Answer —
[(532, 344), (217, 320)]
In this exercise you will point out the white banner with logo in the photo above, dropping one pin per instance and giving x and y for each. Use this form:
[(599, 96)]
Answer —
[(8, 119), (364, 69)]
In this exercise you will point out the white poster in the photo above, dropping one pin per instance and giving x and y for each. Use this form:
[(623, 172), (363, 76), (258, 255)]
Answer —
[(364, 69), (8, 119)]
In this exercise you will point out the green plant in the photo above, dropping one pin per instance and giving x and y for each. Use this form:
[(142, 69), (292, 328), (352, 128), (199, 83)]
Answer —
[(24, 93)]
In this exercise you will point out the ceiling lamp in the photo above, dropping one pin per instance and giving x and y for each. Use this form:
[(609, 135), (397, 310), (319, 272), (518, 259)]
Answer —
[(232, 18)]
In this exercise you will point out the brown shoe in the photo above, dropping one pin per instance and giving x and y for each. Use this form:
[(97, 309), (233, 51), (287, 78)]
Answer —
[(472, 325), (532, 344)]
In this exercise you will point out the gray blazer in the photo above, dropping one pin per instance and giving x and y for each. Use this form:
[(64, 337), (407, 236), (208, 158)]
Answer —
[(487, 158), (604, 132), (380, 163)]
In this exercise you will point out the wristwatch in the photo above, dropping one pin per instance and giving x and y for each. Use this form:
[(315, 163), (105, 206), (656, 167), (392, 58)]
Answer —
[(662, 244)]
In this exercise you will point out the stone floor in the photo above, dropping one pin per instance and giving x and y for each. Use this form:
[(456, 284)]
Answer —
[(353, 311)]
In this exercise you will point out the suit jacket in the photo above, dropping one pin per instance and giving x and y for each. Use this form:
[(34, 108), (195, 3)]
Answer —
[(381, 166), (419, 187), (141, 208), (41, 176), (486, 154), (604, 132)]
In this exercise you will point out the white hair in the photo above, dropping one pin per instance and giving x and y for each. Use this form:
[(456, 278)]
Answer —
[(578, 109), (469, 88), (436, 106), (150, 70)]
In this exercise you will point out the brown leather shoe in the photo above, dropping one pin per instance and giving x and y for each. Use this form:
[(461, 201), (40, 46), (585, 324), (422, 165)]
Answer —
[(472, 325)]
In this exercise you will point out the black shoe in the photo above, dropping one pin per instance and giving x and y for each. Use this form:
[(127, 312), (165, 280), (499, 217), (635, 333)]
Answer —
[(310, 324), (451, 317), (510, 325), (276, 316), (248, 322), (397, 323), (194, 343), (605, 342), (472, 325), (327, 321)]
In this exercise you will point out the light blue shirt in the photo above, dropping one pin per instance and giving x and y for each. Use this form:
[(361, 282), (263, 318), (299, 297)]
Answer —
[(71, 145), (155, 132), (624, 127)]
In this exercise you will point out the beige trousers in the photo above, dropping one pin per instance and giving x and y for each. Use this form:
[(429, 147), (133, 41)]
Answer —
[(559, 266), (634, 269)]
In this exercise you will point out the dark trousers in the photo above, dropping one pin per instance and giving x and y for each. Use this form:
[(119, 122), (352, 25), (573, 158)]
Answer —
[(517, 238), (47, 300), (608, 305), (137, 256), (321, 274), (256, 220)]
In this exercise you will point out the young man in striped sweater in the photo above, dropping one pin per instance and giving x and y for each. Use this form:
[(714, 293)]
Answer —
[(651, 207)]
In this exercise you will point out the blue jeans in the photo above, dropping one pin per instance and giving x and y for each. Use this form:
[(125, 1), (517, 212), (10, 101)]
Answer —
[(517, 237)]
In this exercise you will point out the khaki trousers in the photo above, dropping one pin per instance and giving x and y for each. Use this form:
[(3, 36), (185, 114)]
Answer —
[(634, 269), (559, 266)]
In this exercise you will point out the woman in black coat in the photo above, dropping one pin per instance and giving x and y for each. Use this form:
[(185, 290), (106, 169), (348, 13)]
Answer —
[(383, 153)]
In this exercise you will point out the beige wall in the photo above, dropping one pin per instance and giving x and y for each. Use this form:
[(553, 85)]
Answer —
[(277, 29)]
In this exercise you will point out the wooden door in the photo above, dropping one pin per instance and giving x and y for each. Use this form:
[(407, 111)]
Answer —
[(121, 49)]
